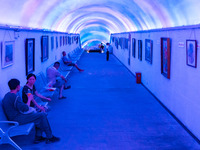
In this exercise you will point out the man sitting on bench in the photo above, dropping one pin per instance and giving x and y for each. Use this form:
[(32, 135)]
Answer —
[(69, 63), (52, 74), (16, 110)]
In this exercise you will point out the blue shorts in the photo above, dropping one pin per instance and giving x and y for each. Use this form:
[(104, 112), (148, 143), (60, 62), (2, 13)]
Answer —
[(59, 83)]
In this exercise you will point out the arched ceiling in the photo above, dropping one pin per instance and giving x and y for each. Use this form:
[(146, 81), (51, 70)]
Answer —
[(95, 20)]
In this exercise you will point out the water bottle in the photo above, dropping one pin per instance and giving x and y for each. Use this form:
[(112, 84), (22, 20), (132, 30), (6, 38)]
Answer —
[(29, 92)]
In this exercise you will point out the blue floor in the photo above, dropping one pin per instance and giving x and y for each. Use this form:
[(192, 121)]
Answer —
[(106, 110)]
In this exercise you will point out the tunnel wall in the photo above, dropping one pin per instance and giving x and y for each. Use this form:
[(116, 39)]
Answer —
[(180, 93), (18, 68)]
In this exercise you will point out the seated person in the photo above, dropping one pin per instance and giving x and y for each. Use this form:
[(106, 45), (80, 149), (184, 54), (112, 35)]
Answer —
[(69, 63), (52, 74), (15, 108), (29, 88)]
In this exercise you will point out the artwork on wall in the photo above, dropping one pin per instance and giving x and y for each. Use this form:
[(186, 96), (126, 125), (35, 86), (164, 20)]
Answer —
[(52, 43), (7, 53), (30, 55), (56, 42), (44, 48), (72, 39), (66, 40), (77, 40), (148, 50), (140, 50), (116, 43), (133, 47), (126, 43), (60, 41), (191, 51), (121, 42), (69, 40), (165, 57)]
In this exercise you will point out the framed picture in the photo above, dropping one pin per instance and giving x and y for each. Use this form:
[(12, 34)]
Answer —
[(165, 57), (126, 43), (60, 41), (30, 55), (56, 42), (191, 51), (7, 53), (65, 40), (116, 43), (72, 39), (148, 50), (69, 40), (44, 48), (52, 43), (140, 50), (133, 47)]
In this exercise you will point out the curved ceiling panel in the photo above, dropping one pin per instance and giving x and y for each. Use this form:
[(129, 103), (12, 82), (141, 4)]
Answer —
[(96, 19)]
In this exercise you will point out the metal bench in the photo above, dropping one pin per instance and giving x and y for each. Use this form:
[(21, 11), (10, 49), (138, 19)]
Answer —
[(9, 129), (42, 86)]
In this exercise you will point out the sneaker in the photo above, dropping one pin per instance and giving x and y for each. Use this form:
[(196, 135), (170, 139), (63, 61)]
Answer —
[(52, 140), (68, 87), (39, 139)]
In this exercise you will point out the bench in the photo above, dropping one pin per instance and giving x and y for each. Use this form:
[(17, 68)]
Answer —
[(37, 99), (41, 86), (75, 54), (10, 129), (64, 67)]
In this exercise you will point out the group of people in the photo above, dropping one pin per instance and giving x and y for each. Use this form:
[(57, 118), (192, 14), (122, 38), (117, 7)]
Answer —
[(53, 74), (26, 109), (20, 110)]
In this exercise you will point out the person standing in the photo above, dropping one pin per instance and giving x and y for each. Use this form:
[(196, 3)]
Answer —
[(107, 51)]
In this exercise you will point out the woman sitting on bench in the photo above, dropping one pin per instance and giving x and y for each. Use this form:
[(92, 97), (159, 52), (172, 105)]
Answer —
[(29, 89)]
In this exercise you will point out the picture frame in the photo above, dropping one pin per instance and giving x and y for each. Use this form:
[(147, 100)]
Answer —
[(140, 50), (69, 40), (116, 43), (7, 53), (30, 55), (56, 42), (65, 40), (191, 53), (165, 57), (126, 43), (60, 41), (52, 43), (133, 47), (44, 48), (148, 50)]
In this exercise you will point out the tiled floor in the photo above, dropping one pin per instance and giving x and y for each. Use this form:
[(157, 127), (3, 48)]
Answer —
[(106, 110)]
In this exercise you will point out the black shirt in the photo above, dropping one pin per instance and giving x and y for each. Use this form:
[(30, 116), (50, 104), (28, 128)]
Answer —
[(26, 90)]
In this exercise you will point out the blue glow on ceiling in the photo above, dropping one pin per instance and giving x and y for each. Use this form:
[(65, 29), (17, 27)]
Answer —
[(95, 20)]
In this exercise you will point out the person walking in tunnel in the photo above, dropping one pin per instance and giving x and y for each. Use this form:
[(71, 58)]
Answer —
[(16, 110), (101, 47), (68, 62), (107, 51), (52, 74)]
